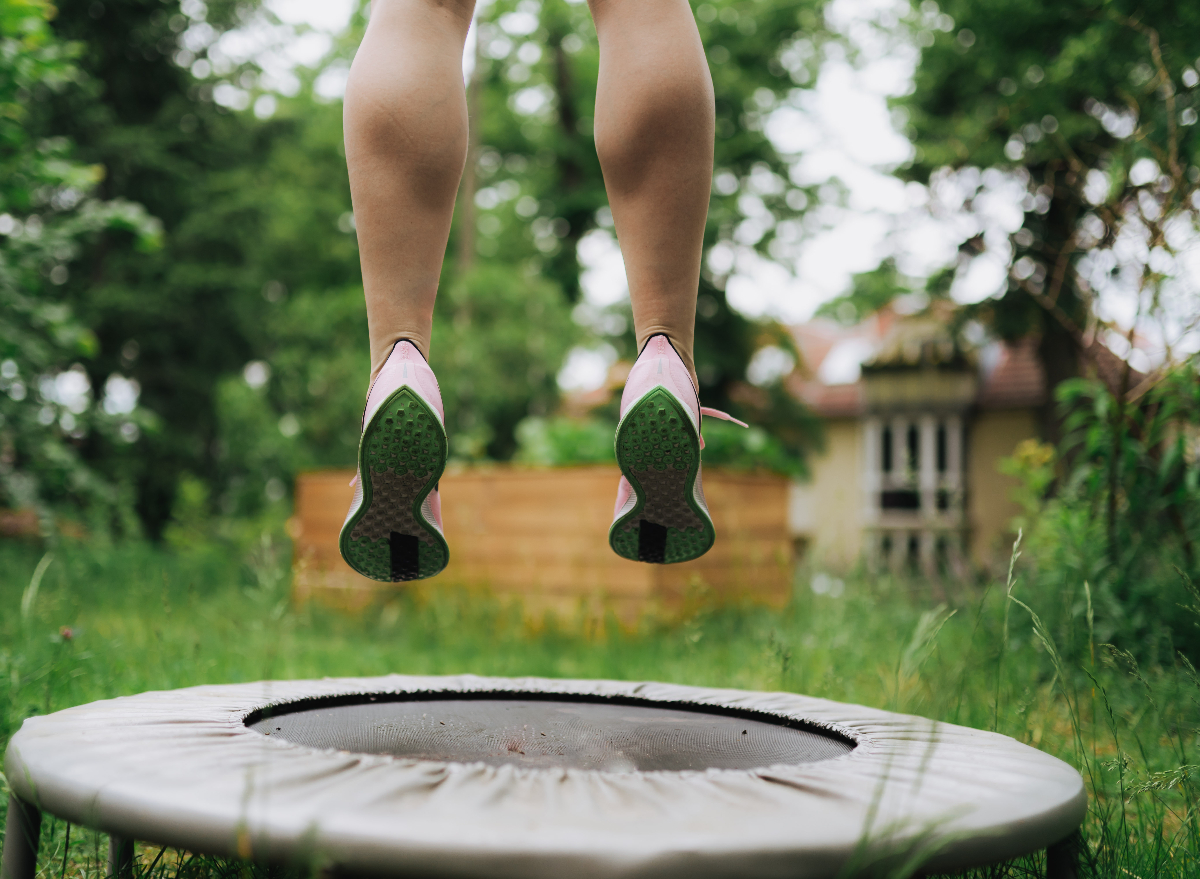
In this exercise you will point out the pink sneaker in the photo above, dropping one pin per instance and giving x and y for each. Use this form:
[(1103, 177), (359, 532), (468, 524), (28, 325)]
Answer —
[(393, 531), (660, 514)]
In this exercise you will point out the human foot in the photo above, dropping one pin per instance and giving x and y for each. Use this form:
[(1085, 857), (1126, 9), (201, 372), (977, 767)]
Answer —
[(660, 514), (393, 531)]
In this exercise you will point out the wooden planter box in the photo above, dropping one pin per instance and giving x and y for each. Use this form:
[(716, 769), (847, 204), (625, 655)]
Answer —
[(542, 534)]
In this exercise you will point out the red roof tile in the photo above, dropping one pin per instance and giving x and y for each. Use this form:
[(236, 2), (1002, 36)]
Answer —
[(1012, 377)]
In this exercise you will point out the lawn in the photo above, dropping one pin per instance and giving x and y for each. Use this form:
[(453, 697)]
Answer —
[(112, 620)]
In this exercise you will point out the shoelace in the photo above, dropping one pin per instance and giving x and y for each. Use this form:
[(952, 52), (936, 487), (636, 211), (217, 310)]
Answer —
[(723, 416)]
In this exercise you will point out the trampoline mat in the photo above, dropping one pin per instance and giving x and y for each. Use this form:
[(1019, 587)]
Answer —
[(541, 733)]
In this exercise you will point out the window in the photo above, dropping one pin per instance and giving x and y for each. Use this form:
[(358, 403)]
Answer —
[(916, 479), (903, 499)]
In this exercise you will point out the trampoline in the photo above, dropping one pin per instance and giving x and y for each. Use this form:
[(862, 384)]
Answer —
[(485, 777)]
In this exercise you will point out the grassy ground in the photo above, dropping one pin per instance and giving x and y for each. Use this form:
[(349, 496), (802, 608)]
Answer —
[(106, 621)]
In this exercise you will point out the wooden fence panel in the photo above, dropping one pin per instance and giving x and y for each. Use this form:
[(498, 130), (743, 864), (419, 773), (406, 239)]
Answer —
[(542, 534)]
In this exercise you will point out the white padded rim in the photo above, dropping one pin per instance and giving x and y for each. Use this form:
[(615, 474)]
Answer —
[(180, 767)]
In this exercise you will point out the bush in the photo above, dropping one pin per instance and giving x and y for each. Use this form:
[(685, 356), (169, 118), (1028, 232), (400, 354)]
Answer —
[(1113, 516)]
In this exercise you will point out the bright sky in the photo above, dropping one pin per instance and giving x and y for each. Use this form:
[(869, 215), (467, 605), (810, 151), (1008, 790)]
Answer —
[(839, 132), (330, 16)]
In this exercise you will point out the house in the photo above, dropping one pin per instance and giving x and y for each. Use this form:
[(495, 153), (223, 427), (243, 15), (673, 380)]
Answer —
[(916, 426)]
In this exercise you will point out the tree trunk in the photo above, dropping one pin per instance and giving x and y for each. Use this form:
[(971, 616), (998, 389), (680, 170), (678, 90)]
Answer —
[(565, 264), (1063, 311), (1060, 355)]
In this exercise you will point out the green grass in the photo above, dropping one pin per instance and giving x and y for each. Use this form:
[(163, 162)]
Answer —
[(113, 620)]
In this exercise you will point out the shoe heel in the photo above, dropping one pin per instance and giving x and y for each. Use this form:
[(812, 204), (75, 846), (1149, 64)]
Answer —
[(401, 457), (658, 451)]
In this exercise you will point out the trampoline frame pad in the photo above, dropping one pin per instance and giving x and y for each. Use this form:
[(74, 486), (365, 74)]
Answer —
[(182, 768)]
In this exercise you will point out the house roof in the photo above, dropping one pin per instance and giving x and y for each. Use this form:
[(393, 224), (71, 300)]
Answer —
[(834, 356), (1011, 376)]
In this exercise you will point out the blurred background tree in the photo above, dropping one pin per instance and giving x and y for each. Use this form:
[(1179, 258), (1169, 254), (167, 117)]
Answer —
[(234, 335), (1091, 106), (174, 320), (210, 317), (54, 206)]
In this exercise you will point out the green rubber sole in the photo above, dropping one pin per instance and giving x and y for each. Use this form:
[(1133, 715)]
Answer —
[(658, 451), (401, 458)]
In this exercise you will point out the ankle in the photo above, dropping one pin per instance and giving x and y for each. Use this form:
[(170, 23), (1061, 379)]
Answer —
[(683, 350), (382, 349)]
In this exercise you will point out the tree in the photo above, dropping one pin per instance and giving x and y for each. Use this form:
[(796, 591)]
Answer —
[(173, 320), (1092, 105), (242, 336), (52, 207)]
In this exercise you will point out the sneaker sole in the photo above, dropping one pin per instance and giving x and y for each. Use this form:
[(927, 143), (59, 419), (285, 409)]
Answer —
[(658, 451), (401, 457)]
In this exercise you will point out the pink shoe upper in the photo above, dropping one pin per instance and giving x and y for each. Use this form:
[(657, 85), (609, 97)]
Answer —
[(659, 365), (405, 366), (624, 498)]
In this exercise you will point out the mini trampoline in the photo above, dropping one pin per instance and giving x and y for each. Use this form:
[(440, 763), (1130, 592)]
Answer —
[(485, 777)]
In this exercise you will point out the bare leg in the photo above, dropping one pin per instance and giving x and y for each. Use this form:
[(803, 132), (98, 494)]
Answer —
[(654, 136), (406, 143)]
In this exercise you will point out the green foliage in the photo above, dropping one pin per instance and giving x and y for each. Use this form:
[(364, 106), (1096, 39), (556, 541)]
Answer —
[(1068, 97), (564, 441), (172, 319), (499, 335), (1141, 460), (1032, 466), (561, 440), (736, 448), (1123, 515), (52, 207), (870, 292), (112, 621), (1001, 67)]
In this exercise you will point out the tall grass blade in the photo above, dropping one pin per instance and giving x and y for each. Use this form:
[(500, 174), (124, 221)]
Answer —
[(1008, 590), (29, 596), (1091, 623), (924, 640)]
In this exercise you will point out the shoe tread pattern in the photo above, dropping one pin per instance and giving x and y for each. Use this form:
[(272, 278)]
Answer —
[(401, 458), (658, 451)]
